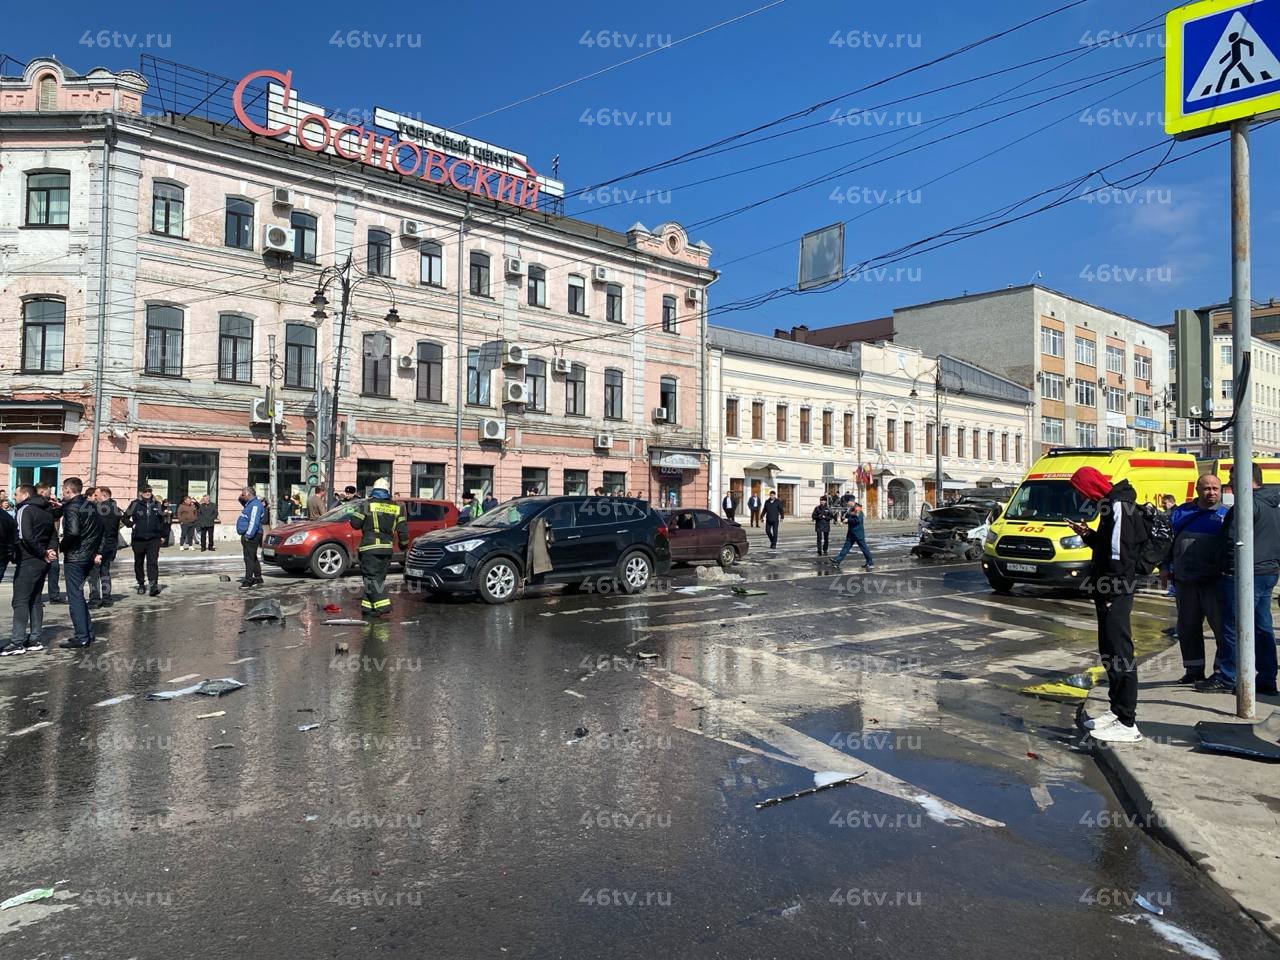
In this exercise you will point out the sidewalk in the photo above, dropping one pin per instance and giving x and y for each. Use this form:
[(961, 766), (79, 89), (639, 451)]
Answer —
[(1220, 812)]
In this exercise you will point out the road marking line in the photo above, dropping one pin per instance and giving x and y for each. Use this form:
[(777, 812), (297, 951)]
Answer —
[(1015, 610), (575, 693)]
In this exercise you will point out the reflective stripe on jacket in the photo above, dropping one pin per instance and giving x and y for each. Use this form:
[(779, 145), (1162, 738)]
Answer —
[(379, 522)]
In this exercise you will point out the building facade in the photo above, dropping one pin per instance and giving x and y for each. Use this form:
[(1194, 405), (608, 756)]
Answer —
[(148, 262), (1099, 378), (807, 421), (1264, 375)]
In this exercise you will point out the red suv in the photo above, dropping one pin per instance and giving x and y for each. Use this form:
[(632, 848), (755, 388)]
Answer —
[(330, 546)]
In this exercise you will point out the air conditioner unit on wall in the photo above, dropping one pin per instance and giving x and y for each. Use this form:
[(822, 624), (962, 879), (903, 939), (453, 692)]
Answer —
[(693, 294), (660, 414), (492, 429), (514, 355), (282, 197), (514, 391), (515, 267), (258, 411), (410, 228), (604, 441), (277, 239), (561, 365), (407, 362), (600, 274)]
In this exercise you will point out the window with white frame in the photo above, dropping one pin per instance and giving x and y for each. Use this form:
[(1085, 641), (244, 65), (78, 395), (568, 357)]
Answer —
[(1115, 359), (1051, 386), (1086, 434), (1141, 367), (1052, 430), (1086, 393), (1051, 341), (1115, 400), (1117, 437), (1086, 352)]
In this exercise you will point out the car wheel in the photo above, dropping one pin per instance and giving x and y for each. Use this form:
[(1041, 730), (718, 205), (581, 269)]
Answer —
[(329, 561), (635, 570), (998, 583), (496, 580), (728, 556), (973, 553)]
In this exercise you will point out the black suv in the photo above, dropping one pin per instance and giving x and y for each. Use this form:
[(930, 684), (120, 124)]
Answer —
[(587, 538)]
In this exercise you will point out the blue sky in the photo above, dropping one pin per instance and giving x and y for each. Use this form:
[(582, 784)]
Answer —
[(1144, 252)]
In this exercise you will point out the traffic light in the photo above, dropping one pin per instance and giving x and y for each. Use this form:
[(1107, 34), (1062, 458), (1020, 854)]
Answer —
[(312, 444), (311, 454)]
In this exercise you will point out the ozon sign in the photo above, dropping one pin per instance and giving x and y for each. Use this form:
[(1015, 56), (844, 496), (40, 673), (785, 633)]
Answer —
[(287, 118)]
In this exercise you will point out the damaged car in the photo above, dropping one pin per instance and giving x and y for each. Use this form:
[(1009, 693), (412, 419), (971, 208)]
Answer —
[(957, 529)]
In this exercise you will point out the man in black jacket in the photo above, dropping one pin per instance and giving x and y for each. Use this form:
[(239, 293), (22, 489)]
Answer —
[(45, 490), (82, 550), (8, 538), (1113, 580), (145, 516), (33, 553), (822, 525), (772, 512), (100, 575)]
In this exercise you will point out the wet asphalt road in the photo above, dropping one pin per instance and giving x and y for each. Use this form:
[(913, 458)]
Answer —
[(449, 803)]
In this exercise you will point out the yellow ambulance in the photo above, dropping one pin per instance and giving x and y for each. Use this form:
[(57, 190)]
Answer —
[(1030, 541)]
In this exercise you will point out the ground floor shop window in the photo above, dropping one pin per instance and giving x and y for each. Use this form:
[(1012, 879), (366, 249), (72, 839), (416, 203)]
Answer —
[(369, 471), (427, 480), (575, 483), (288, 475), (477, 480), (173, 474), (533, 481), (615, 482)]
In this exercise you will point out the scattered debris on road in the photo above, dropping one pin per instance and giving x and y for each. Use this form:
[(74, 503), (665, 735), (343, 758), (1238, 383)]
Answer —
[(306, 727), (208, 688), (265, 610), (32, 729), (223, 746), (717, 575), (645, 655), (344, 622), (31, 896), (114, 700), (744, 592), (1258, 741), (1148, 906), (210, 716), (843, 779)]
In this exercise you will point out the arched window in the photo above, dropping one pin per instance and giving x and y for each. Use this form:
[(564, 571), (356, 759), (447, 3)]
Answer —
[(167, 205), (613, 302), (577, 295), (430, 371), (479, 274), (164, 341), (48, 93), (377, 365), (535, 385), (43, 329), (238, 229), (304, 236), (537, 286), (669, 322), (575, 391), (613, 394), (300, 356), (48, 198), (432, 263), (379, 260), (235, 348), (668, 398)]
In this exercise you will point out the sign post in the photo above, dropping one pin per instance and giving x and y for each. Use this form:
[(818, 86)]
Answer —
[(1222, 72)]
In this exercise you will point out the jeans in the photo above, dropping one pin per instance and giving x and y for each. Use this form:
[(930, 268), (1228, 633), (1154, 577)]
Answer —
[(1264, 637), (100, 581), (1196, 603), (771, 531), (1114, 609), (824, 536), (54, 592), (252, 568), (206, 538), (188, 538), (28, 599), (849, 541), (77, 573), (146, 552)]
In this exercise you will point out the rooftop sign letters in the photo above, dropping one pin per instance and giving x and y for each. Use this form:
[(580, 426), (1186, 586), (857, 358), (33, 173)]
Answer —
[(415, 149)]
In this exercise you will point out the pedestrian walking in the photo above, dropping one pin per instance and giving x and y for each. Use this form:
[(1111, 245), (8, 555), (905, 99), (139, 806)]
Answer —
[(249, 526), (728, 505), (753, 505), (81, 550), (145, 517), (100, 576), (186, 514), (316, 507), (8, 537), (380, 523), (772, 512), (1266, 571), (55, 511), (822, 524), (34, 550), (167, 509), (490, 503), (1112, 581), (206, 519), (855, 533), (1195, 568)]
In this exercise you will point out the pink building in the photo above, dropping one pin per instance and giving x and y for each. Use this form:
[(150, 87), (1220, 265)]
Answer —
[(148, 261)]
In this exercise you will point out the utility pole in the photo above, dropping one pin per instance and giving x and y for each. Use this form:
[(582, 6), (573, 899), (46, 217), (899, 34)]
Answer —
[(460, 369), (1242, 482), (273, 495), (937, 436)]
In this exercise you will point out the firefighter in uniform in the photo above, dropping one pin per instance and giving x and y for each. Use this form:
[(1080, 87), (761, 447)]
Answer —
[(379, 522)]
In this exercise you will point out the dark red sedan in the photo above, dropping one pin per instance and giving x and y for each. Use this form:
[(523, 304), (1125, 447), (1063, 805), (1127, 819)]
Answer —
[(701, 536)]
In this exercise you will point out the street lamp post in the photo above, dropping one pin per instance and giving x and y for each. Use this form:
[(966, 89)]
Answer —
[(348, 278), (937, 429)]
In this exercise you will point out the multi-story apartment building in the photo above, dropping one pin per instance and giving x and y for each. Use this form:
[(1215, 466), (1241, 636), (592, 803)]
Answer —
[(1099, 378), (806, 421), (1264, 377), (147, 261)]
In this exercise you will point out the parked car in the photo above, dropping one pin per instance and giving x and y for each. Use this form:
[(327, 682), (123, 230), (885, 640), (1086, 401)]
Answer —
[(700, 535), (329, 546), (588, 540)]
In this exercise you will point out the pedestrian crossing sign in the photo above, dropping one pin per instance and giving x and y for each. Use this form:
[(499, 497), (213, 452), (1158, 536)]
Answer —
[(1222, 64)]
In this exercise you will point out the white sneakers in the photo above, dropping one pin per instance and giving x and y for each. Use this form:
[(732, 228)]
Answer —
[(1116, 732), (1097, 723)]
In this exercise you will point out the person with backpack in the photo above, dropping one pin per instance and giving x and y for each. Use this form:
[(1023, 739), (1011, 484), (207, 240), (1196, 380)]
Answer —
[(1117, 547), (1195, 570), (1266, 572)]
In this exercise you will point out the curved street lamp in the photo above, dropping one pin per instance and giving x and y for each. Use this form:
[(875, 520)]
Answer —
[(937, 422), (348, 277)]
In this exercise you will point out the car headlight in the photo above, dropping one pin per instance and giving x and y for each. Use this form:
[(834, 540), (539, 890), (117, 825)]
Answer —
[(464, 546), (992, 537), (294, 539), (1073, 542)]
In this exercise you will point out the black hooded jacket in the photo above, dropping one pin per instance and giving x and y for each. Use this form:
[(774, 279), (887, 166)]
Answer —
[(1121, 503), (35, 529), (82, 531)]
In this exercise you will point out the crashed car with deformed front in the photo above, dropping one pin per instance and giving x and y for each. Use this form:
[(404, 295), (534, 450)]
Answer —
[(956, 530)]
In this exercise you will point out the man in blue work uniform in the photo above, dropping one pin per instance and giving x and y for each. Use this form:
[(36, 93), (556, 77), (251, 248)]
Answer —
[(379, 521), (249, 526), (856, 535)]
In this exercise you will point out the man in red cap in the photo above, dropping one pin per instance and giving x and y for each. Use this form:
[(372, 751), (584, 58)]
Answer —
[(1113, 580)]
